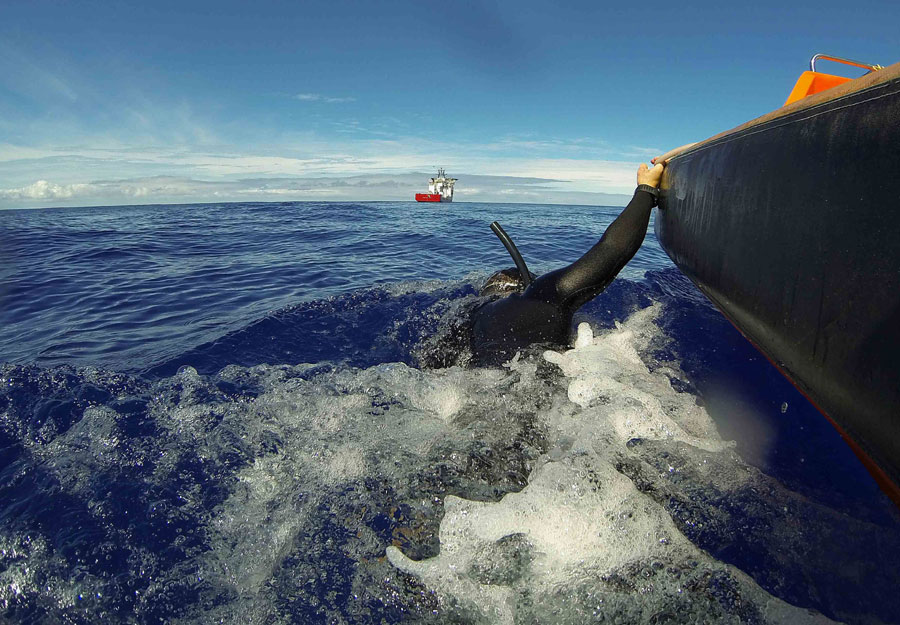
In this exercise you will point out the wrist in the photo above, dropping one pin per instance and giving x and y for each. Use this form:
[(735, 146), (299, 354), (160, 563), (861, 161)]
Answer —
[(649, 189)]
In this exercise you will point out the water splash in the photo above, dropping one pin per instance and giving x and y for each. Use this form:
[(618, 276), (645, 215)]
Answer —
[(580, 541), (319, 492)]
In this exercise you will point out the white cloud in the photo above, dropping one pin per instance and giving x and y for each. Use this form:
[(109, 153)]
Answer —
[(369, 187), (307, 158), (109, 171), (9, 152), (43, 190), (318, 97)]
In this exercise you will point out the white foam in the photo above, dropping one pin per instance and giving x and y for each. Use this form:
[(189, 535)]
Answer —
[(608, 378), (336, 429), (580, 520), (89, 446), (28, 563), (307, 448)]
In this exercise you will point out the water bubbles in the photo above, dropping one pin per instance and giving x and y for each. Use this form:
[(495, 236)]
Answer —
[(580, 520), (274, 493), (187, 372)]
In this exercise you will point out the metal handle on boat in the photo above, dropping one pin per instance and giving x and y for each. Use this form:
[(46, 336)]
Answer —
[(826, 57)]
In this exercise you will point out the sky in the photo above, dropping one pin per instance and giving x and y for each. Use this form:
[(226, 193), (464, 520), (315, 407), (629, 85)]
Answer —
[(124, 102)]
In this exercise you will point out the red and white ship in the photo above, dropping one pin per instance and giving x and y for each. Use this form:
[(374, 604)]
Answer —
[(440, 189)]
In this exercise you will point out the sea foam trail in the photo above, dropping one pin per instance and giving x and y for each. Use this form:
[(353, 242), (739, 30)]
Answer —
[(580, 542)]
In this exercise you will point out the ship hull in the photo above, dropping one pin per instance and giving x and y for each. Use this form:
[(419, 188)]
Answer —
[(430, 197), (791, 227)]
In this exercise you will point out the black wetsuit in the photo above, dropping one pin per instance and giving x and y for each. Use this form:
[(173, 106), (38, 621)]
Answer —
[(543, 312)]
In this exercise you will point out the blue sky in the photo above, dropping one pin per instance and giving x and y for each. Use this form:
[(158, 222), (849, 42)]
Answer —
[(142, 102)]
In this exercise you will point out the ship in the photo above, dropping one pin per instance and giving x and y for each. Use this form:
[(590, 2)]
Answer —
[(789, 225), (440, 189)]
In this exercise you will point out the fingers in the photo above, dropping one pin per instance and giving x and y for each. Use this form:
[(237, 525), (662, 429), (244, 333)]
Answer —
[(649, 176), (641, 172)]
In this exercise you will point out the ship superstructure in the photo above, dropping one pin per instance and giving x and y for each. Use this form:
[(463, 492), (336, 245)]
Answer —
[(440, 189)]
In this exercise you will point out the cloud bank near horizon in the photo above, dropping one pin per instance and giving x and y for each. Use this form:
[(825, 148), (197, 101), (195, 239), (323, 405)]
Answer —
[(372, 187), (378, 171)]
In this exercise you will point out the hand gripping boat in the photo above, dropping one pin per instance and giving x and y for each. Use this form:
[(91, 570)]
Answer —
[(790, 224)]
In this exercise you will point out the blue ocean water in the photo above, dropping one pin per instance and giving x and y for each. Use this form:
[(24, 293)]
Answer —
[(222, 413)]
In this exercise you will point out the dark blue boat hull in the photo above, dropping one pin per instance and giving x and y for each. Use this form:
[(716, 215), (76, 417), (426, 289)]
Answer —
[(791, 228)]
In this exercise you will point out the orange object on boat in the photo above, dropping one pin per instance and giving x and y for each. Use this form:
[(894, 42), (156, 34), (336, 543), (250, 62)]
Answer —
[(813, 82)]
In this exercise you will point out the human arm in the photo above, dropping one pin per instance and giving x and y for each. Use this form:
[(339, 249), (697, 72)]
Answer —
[(573, 286)]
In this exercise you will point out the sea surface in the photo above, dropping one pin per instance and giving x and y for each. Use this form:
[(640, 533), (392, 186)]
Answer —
[(252, 413)]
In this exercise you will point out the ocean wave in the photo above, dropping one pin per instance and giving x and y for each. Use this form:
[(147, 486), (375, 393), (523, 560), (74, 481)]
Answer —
[(533, 492)]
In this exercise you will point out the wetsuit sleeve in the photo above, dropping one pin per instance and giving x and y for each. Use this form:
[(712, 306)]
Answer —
[(573, 286)]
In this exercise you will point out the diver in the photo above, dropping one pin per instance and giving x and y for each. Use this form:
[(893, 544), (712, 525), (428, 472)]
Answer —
[(525, 310)]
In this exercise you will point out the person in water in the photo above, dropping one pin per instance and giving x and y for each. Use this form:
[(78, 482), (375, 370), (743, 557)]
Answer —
[(541, 312)]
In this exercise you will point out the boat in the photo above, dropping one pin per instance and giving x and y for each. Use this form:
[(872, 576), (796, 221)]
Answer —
[(440, 189), (790, 225)]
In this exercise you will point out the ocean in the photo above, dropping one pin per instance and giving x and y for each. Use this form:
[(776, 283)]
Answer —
[(230, 413)]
